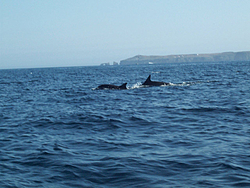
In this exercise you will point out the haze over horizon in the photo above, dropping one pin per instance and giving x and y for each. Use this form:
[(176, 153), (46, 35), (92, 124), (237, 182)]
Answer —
[(82, 33)]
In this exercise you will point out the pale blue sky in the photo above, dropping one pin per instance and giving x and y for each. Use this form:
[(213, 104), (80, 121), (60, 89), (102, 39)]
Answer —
[(52, 33)]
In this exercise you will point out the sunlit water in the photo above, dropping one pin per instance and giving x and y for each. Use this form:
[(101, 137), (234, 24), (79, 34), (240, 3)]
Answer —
[(56, 130)]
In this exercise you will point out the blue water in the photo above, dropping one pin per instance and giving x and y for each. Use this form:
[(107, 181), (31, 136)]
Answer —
[(56, 130)]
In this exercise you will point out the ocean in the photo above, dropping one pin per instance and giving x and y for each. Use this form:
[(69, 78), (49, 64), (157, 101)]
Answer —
[(57, 130)]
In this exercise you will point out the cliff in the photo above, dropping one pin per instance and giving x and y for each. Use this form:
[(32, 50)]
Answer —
[(215, 57)]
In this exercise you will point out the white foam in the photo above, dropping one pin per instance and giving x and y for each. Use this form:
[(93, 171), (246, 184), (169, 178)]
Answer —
[(156, 72), (135, 86), (180, 84)]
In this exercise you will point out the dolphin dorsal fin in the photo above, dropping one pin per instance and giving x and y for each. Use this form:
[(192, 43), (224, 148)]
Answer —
[(147, 81), (123, 86)]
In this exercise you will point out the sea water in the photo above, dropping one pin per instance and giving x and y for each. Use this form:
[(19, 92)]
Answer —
[(56, 130)]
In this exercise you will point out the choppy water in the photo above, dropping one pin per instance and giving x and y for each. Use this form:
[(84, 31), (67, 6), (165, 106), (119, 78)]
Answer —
[(56, 131)]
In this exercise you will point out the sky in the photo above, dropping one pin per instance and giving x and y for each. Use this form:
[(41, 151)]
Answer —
[(59, 33)]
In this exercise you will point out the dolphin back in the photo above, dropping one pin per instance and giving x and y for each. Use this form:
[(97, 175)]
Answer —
[(148, 82)]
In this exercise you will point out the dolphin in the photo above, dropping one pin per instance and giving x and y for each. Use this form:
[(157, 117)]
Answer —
[(148, 82), (108, 86)]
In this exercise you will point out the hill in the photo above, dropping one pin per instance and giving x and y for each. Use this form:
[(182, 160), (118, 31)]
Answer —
[(213, 57)]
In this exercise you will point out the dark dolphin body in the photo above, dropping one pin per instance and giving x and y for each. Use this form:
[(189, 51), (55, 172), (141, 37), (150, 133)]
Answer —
[(148, 82), (108, 86)]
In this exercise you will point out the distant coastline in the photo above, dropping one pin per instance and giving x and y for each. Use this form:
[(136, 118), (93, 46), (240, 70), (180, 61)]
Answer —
[(185, 58)]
